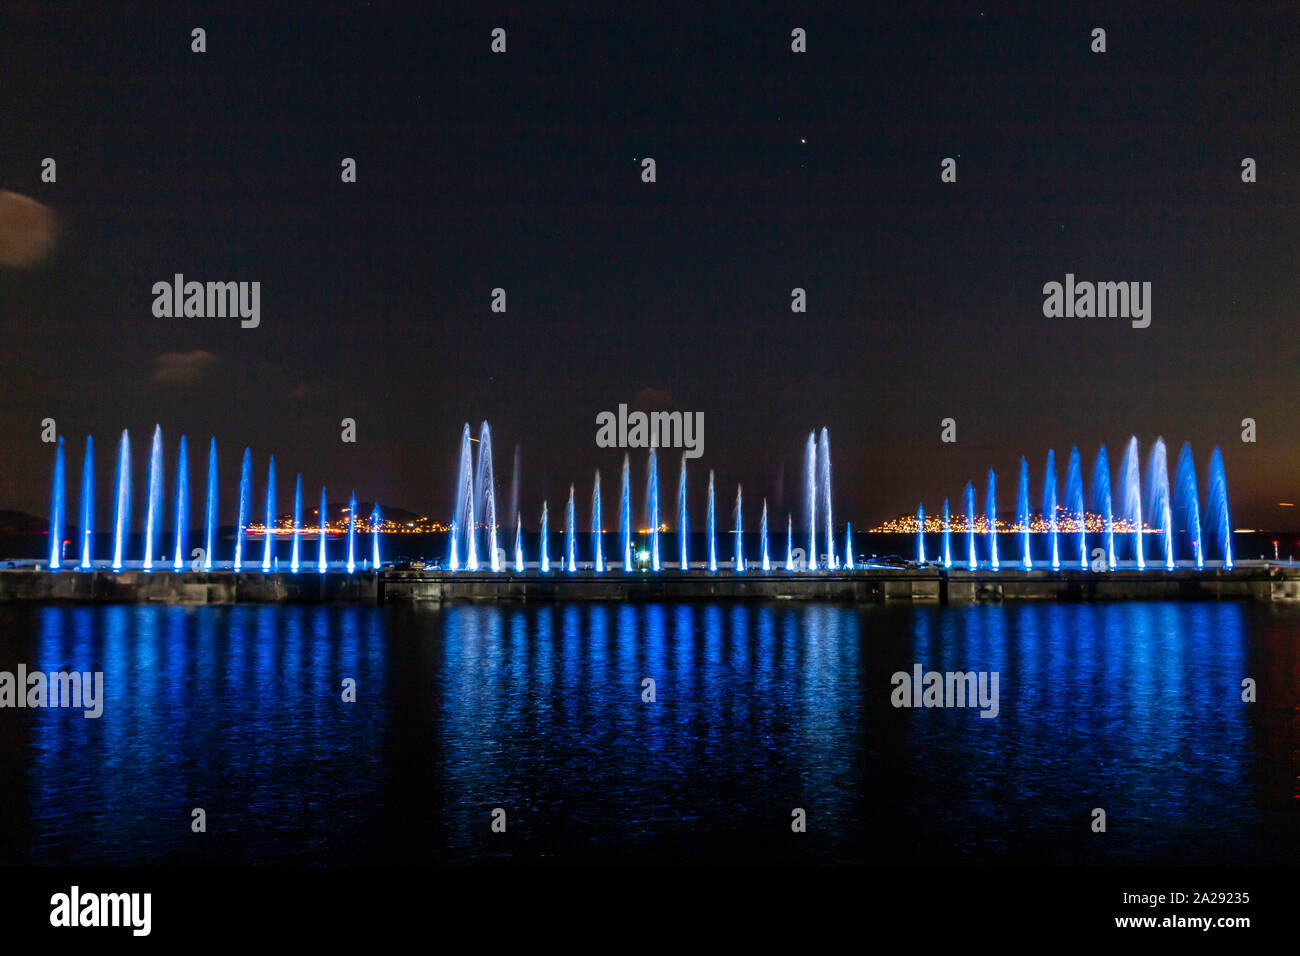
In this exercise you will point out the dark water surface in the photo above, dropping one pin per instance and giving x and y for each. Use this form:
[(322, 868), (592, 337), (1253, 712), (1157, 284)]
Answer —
[(1134, 708)]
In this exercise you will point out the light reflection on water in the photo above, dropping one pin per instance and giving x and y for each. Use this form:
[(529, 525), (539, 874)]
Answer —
[(1134, 708)]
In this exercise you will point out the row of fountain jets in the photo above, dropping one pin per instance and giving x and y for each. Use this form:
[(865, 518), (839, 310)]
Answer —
[(476, 514), (1137, 516), (154, 516)]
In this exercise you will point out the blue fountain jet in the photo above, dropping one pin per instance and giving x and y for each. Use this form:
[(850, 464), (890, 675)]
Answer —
[(545, 558), (121, 499), (153, 518), (87, 504), (182, 506), (245, 502), (713, 551), (991, 516), (322, 562), (352, 533), (295, 555), (56, 509), (210, 509), (268, 541)]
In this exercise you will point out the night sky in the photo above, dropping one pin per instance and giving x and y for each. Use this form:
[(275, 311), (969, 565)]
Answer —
[(775, 170)]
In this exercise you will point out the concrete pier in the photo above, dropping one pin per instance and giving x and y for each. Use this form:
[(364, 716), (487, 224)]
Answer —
[(1260, 582)]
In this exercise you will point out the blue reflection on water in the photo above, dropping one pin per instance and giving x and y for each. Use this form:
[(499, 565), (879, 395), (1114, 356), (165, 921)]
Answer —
[(758, 709)]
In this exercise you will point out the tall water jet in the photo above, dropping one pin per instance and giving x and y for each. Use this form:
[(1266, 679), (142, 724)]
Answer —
[(87, 503), (545, 561), (738, 563), (1158, 504), (245, 502), (268, 545), (683, 522), (485, 494), (972, 561), (1022, 516), (1188, 503), (713, 551), (1130, 484), (848, 540), (296, 553), (374, 536), (625, 516), (1216, 516), (182, 506), (1101, 503), (519, 544), (1049, 509), (121, 498), (810, 496), (789, 542), (570, 536), (652, 508), (824, 482), (56, 509), (210, 509), (462, 519), (321, 558), (920, 534), (514, 485), (153, 518), (765, 561), (598, 556), (947, 539), (991, 516), (1074, 502), (352, 533)]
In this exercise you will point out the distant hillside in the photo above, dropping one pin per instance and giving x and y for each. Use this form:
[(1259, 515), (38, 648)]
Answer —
[(338, 510), (19, 523)]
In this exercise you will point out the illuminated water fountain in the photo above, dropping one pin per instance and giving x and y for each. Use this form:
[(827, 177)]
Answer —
[(295, 553), (947, 537), (56, 510), (625, 516), (153, 516), (738, 563), (1158, 503), (1049, 508), (245, 502), (713, 550), (1131, 503), (182, 507), (1188, 503), (920, 534), (991, 516), (210, 509), (121, 499), (1022, 515), (1101, 504), (683, 522), (652, 508), (87, 503), (1074, 503), (268, 525), (598, 557)]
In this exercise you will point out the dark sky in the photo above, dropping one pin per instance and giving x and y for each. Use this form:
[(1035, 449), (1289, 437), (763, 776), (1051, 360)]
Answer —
[(775, 170)]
